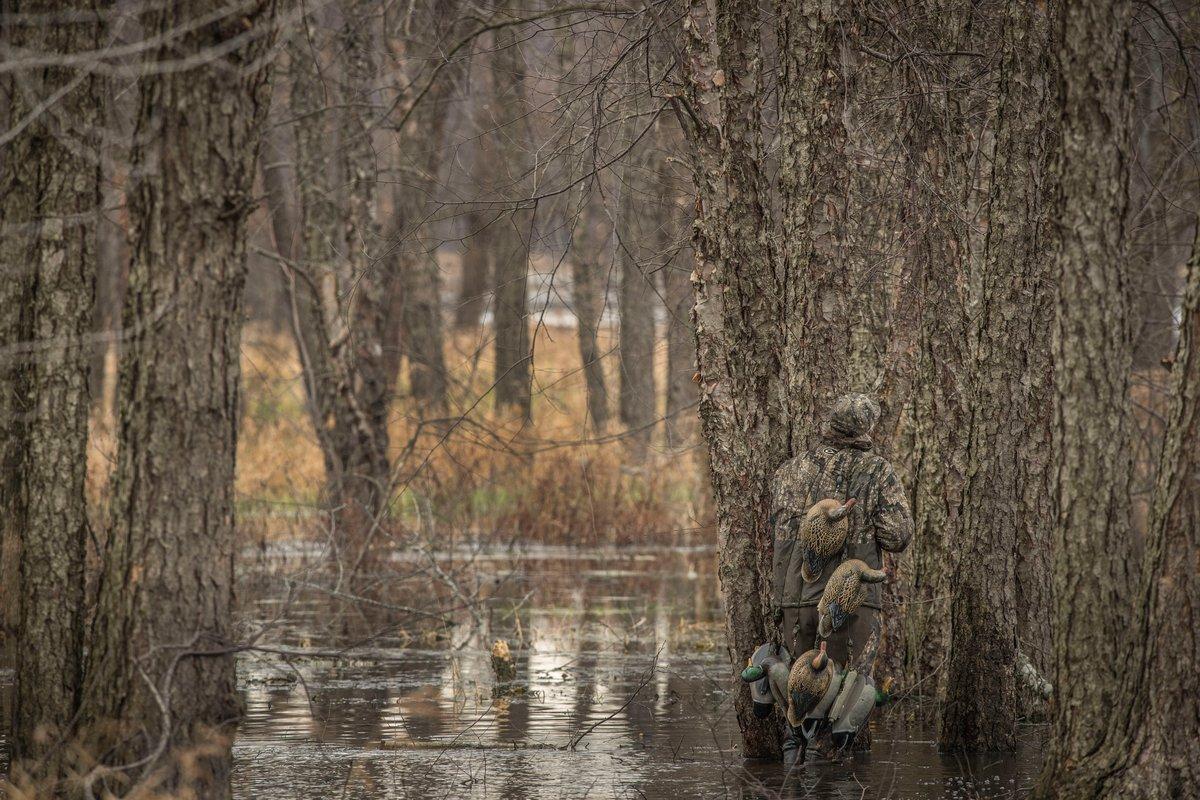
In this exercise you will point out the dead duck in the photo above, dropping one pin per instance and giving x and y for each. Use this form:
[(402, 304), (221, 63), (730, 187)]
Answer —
[(822, 535), (807, 684), (844, 593)]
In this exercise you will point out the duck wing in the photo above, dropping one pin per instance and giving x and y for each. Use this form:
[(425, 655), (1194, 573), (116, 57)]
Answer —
[(812, 563)]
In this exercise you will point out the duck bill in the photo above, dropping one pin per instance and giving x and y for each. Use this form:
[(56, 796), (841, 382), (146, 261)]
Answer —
[(842, 511)]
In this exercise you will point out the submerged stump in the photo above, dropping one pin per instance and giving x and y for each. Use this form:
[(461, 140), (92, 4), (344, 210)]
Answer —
[(505, 670)]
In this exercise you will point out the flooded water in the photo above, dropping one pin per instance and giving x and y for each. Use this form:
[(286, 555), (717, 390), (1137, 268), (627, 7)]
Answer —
[(626, 695), (623, 691)]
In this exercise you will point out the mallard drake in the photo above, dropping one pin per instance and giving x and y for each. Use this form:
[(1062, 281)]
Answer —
[(844, 593), (822, 535), (808, 683), (767, 674)]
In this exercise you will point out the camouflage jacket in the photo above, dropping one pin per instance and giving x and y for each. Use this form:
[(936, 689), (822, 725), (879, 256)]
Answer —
[(838, 468)]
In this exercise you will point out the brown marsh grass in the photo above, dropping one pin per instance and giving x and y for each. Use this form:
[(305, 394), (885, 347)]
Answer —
[(471, 469)]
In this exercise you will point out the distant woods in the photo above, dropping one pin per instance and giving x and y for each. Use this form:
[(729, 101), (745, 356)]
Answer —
[(723, 214)]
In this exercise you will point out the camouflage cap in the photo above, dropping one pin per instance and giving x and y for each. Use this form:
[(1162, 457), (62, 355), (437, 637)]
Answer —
[(853, 415)]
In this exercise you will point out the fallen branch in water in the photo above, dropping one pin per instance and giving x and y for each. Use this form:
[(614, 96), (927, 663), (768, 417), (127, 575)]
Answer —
[(433, 744)]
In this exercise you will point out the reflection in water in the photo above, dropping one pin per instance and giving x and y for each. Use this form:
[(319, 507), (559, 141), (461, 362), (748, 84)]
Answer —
[(625, 646)]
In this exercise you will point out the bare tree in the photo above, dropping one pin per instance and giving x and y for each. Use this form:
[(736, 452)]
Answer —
[(589, 294), (160, 677), (511, 239), (1094, 713), (330, 243), (417, 148), (51, 196), (638, 296), (1006, 502), (736, 321), (1164, 753), (477, 267)]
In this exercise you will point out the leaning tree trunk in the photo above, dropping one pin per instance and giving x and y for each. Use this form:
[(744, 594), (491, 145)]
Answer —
[(1006, 504), (636, 400), (1096, 679), (333, 280), (1165, 756), (48, 220), (160, 688), (736, 316)]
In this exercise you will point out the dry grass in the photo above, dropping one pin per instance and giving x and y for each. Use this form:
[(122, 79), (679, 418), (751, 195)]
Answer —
[(477, 471)]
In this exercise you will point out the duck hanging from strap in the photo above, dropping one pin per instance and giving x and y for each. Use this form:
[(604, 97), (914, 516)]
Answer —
[(844, 593), (822, 535), (808, 682)]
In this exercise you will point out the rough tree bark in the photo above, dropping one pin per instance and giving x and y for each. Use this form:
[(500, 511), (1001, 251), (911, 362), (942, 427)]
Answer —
[(814, 179), (1006, 501), (637, 397), (48, 214), (1165, 754), (160, 681), (1096, 679), (941, 172), (737, 322)]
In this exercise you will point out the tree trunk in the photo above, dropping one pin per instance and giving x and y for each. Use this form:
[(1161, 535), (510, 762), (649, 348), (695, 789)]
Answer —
[(338, 305), (512, 237), (1006, 502), (589, 295), (1165, 756), (814, 179), (942, 175), (50, 205), (681, 347), (421, 332), (112, 249), (737, 319), (419, 148), (636, 333), (160, 682), (1096, 681), (514, 374), (473, 290)]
